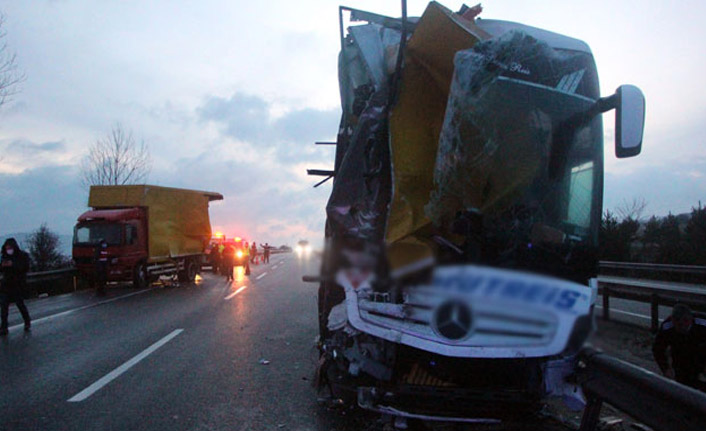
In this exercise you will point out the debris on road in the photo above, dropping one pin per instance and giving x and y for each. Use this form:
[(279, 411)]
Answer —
[(264, 362)]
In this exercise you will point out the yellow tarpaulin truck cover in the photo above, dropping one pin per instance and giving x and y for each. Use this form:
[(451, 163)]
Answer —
[(416, 122), (177, 219)]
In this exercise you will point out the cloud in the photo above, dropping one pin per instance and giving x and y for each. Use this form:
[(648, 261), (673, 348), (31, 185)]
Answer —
[(242, 116), (249, 118), (28, 147), (665, 190), (16, 155), (49, 194)]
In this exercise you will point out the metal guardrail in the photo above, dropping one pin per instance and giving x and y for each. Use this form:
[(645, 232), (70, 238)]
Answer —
[(55, 274), (657, 402), (55, 281), (658, 267), (33, 277), (278, 251), (653, 292)]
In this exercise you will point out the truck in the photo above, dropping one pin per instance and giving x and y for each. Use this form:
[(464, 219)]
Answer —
[(458, 279), (150, 231)]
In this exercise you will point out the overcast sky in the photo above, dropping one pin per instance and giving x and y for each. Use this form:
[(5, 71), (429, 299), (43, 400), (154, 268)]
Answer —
[(230, 97)]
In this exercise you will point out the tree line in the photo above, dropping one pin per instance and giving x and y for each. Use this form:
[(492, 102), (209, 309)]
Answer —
[(626, 237)]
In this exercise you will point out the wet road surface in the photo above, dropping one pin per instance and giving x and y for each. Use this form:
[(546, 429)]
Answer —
[(211, 355)]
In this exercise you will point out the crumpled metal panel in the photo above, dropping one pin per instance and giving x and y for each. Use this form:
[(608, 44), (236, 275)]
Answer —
[(358, 203), (417, 118)]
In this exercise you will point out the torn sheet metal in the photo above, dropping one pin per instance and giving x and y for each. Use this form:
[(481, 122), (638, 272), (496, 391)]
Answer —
[(357, 207), (377, 46), (358, 203), (558, 376)]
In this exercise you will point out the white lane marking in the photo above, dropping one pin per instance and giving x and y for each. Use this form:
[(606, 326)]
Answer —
[(240, 289), (260, 276), (275, 267), (98, 384), (613, 310), (64, 313)]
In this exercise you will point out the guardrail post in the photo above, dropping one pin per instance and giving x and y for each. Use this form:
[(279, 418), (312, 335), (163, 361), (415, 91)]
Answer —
[(591, 415), (654, 312), (606, 303)]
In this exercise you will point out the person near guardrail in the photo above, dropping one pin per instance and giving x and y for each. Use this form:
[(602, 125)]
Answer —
[(680, 346), (14, 265)]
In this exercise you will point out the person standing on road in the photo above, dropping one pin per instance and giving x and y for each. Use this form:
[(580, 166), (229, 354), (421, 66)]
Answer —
[(221, 269), (215, 258), (265, 252), (253, 252), (228, 261), (100, 265), (246, 253), (14, 265), (684, 335)]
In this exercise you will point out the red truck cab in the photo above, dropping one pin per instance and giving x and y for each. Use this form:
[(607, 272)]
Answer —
[(125, 231)]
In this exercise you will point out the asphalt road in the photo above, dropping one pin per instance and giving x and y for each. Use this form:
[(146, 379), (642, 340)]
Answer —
[(191, 357), (210, 355)]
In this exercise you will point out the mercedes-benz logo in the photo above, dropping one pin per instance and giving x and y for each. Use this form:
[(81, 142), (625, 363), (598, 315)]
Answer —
[(452, 320)]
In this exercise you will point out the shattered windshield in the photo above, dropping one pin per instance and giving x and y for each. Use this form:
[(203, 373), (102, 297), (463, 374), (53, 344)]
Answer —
[(518, 151)]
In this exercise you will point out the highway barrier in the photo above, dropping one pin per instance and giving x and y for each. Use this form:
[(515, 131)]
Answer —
[(52, 282), (651, 291), (657, 402)]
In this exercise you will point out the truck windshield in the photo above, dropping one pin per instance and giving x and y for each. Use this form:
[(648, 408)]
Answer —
[(92, 233), (557, 160), (527, 157)]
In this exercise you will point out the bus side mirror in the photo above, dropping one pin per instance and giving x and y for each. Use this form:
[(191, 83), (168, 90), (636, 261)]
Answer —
[(629, 121)]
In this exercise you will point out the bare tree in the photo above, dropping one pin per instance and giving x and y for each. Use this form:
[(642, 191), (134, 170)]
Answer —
[(632, 210), (10, 75), (116, 159), (44, 250)]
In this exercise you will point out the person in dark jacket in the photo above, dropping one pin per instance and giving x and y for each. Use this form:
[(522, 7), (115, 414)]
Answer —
[(228, 261), (253, 252), (266, 252), (684, 335), (14, 265)]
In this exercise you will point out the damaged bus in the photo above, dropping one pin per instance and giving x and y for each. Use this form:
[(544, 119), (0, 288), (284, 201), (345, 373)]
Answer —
[(458, 277)]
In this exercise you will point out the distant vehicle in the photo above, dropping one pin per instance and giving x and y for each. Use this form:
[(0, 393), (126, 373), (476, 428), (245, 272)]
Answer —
[(150, 231), (303, 248)]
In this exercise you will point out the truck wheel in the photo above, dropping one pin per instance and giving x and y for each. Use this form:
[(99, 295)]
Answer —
[(188, 274), (140, 278), (191, 270)]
